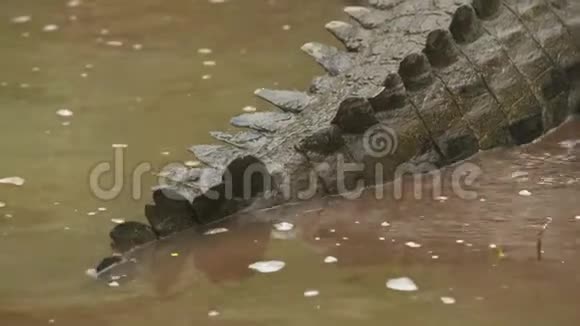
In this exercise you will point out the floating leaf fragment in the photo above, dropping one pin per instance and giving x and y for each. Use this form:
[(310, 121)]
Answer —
[(92, 273), (525, 193), (21, 19), (270, 266), (64, 113), (330, 260), (213, 313), (448, 300), (412, 244), (50, 28), (216, 231), (16, 181), (403, 284), (283, 226), (311, 293), (204, 51), (192, 164)]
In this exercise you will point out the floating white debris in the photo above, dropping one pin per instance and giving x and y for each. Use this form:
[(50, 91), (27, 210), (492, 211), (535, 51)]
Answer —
[(192, 164), (404, 284), (434, 257), (525, 193), (166, 153), (519, 174), (118, 220), (115, 277), (92, 213), (21, 19), (64, 113), (174, 254), (249, 109), (330, 260), (2, 204), (385, 224), (16, 181), (137, 47), (271, 266), (114, 284), (448, 300), (482, 200), (50, 28), (206, 77), (102, 209), (286, 27), (569, 144), (73, 3), (332, 230), (119, 145), (412, 244), (311, 293), (283, 226), (338, 244), (317, 238), (213, 313), (382, 238), (84, 75), (216, 231), (204, 51), (577, 218), (460, 241), (492, 246), (209, 63), (114, 43), (441, 198), (92, 273)]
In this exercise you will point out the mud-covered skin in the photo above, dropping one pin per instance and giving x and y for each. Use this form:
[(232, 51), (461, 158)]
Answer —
[(449, 77)]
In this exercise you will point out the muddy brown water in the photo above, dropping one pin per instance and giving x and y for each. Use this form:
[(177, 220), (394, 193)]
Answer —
[(144, 87)]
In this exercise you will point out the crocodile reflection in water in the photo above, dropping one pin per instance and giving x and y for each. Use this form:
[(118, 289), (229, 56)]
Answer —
[(498, 225)]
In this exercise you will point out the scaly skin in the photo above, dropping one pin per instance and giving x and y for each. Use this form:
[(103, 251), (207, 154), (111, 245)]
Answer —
[(449, 78)]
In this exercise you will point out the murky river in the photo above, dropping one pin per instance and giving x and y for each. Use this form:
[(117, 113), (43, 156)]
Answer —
[(155, 76)]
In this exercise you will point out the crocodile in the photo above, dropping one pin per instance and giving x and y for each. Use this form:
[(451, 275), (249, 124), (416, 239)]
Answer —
[(422, 83)]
